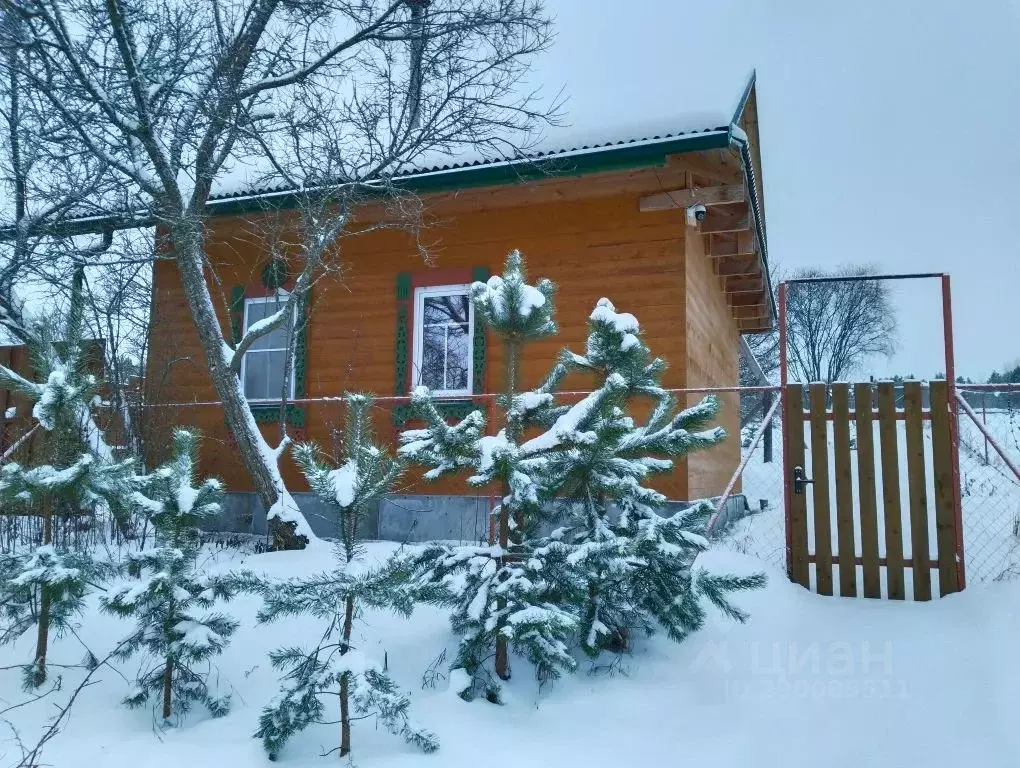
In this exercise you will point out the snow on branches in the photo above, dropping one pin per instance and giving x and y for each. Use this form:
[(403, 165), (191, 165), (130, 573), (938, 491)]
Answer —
[(168, 596), (63, 577), (46, 586), (635, 563), (81, 487), (335, 666), (504, 595), (508, 305), (618, 562)]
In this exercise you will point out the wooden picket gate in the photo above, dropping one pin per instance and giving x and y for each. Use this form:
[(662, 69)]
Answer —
[(861, 535)]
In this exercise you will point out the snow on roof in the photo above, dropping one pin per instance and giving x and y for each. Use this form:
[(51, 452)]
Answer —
[(620, 78), (245, 180)]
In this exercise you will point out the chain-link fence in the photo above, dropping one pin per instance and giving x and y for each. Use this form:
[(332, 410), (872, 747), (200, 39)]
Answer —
[(989, 484), (761, 532), (754, 518)]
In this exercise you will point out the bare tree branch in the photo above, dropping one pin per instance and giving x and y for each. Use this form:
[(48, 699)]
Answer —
[(834, 328), (163, 100)]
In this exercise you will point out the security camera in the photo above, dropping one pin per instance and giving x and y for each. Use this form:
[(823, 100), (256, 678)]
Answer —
[(696, 214)]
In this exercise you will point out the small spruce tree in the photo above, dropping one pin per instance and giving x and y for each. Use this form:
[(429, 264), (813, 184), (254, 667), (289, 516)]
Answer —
[(637, 564), (45, 586), (617, 563), (168, 596), (336, 666), (506, 596)]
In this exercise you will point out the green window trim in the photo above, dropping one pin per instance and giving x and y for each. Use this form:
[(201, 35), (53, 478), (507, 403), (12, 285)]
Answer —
[(403, 286), (269, 413), (448, 409), (454, 409), (402, 349), (275, 274), (301, 346)]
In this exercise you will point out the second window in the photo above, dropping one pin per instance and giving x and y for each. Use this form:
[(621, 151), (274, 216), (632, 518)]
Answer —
[(443, 339)]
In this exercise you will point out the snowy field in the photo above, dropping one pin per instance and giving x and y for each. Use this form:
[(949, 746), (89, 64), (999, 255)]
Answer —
[(809, 678), (990, 497)]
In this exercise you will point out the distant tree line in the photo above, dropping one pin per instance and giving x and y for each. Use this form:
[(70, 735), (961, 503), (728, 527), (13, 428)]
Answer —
[(1009, 376)]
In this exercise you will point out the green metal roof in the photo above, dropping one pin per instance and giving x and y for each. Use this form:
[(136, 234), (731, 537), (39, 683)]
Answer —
[(624, 155)]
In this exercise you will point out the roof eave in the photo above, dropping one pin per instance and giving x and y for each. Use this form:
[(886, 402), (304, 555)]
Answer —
[(607, 159), (581, 162), (740, 142)]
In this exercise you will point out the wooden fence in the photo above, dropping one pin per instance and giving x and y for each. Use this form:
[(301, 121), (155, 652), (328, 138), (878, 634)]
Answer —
[(875, 505)]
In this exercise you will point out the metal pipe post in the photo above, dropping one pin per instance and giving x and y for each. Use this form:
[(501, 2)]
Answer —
[(954, 425), (783, 380)]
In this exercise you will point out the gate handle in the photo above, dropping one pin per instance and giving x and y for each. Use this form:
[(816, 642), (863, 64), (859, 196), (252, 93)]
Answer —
[(799, 480)]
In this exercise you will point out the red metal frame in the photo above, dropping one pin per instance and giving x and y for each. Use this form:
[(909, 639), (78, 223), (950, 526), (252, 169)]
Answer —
[(954, 425), (787, 466), (954, 408)]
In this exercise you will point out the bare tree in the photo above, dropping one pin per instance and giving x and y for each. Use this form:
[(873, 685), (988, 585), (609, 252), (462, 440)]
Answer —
[(330, 98), (758, 365), (764, 369), (834, 327), (33, 177), (36, 199)]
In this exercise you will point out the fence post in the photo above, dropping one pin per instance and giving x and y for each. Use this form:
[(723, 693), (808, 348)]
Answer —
[(784, 395), (954, 426), (766, 403), (984, 420)]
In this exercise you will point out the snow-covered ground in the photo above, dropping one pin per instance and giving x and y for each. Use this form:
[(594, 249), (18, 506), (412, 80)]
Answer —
[(807, 680), (990, 498)]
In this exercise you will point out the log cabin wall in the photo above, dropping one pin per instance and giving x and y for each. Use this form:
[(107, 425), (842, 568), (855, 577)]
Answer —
[(594, 247)]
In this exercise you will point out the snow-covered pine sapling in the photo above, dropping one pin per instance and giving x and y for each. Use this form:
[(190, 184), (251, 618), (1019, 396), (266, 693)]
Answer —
[(336, 667), (169, 598), (79, 479), (45, 588), (504, 596), (637, 564)]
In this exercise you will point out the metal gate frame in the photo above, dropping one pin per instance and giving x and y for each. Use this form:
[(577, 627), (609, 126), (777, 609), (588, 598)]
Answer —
[(954, 410)]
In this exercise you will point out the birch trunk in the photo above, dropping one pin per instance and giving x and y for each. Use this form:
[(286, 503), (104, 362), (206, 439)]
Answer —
[(258, 458)]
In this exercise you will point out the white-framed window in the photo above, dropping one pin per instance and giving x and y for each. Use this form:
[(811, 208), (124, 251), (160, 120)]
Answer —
[(444, 332), (262, 366)]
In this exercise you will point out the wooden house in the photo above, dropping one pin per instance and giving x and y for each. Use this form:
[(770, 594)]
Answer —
[(670, 227)]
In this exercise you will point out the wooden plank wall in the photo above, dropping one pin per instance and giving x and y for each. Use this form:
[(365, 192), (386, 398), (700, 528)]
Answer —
[(945, 496), (712, 359), (872, 586), (591, 248)]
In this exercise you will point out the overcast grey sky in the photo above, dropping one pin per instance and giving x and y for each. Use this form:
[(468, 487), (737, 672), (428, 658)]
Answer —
[(887, 134)]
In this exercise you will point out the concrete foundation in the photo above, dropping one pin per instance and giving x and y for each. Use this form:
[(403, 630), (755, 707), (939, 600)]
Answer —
[(410, 518)]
